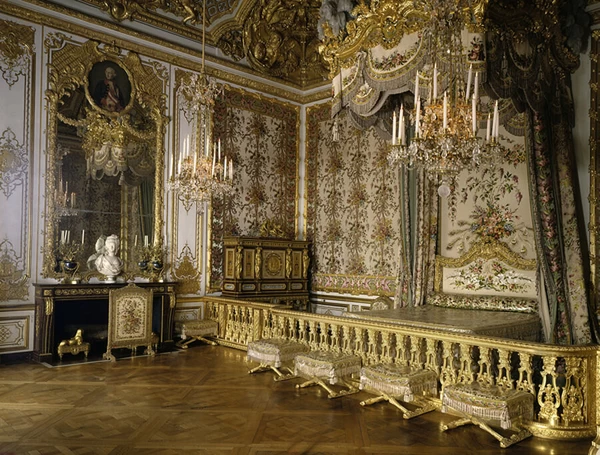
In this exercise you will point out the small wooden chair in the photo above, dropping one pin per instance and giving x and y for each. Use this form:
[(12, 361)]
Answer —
[(333, 367), (484, 405), (394, 383), (273, 354), (198, 330)]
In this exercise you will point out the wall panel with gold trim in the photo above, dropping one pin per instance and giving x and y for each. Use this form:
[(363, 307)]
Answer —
[(261, 135), (17, 78)]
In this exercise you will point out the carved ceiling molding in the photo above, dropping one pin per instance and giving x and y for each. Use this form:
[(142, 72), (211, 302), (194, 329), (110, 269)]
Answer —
[(278, 38)]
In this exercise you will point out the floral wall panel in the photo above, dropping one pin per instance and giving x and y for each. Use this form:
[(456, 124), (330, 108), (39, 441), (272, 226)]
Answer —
[(352, 208), (260, 135), (490, 204)]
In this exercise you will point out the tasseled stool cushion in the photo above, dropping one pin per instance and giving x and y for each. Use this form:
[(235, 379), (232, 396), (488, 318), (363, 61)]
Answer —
[(274, 353), (198, 330), (392, 382), (479, 404), (320, 367)]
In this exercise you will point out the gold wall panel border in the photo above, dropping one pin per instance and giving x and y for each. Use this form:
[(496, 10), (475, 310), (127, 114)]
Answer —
[(14, 333), (165, 56)]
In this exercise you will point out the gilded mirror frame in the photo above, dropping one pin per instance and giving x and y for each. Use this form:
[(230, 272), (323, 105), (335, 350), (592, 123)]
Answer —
[(71, 66)]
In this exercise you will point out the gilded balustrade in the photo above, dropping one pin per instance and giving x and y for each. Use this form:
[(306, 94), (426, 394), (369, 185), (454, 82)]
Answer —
[(563, 379)]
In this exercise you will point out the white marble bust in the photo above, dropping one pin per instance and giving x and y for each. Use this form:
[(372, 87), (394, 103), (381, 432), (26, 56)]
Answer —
[(108, 263)]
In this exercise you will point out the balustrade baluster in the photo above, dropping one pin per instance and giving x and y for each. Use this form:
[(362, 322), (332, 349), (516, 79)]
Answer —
[(573, 400), (549, 394)]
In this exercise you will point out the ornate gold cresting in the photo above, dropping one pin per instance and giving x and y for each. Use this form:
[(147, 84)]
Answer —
[(70, 65), (16, 50)]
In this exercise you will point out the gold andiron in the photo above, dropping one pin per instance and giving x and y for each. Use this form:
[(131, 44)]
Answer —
[(74, 345)]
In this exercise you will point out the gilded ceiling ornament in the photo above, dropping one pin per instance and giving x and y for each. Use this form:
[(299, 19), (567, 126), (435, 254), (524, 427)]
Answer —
[(280, 39), (16, 50), (13, 162), (231, 43)]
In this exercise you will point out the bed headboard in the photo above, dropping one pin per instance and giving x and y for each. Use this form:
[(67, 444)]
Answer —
[(487, 277)]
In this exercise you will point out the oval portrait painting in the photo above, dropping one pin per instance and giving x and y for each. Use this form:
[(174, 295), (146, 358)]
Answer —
[(109, 86)]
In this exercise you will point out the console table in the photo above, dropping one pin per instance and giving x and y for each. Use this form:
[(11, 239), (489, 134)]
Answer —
[(59, 308)]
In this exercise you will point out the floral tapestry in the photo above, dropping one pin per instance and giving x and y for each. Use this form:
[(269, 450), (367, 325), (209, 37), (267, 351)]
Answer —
[(353, 208), (260, 135)]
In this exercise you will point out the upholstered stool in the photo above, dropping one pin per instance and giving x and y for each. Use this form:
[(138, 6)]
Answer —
[(273, 354), (394, 383), (483, 404), (198, 330), (333, 367)]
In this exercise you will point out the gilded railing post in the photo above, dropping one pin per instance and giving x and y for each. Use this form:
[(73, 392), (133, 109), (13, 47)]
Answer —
[(595, 446), (386, 347), (465, 373), (312, 335), (448, 373), (402, 349), (525, 381), (431, 355), (335, 338), (504, 368), (347, 339), (372, 342), (548, 395), (573, 403)]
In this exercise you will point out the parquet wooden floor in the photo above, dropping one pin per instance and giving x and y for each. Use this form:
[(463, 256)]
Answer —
[(202, 401)]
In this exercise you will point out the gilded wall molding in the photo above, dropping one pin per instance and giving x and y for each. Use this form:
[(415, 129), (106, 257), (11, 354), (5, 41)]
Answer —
[(14, 162), (16, 50), (186, 272), (594, 197)]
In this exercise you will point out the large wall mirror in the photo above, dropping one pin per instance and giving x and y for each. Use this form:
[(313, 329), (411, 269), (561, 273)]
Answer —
[(105, 133)]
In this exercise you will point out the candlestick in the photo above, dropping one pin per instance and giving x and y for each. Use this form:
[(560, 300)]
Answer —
[(488, 128), (417, 85), (418, 118), (135, 240), (476, 87), (469, 81), (231, 170), (225, 169), (82, 236), (219, 142), (474, 114), (445, 118), (401, 124), (495, 122), (394, 128), (435, 81)]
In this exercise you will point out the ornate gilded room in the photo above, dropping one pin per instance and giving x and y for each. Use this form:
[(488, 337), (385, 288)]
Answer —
[(334, 227)]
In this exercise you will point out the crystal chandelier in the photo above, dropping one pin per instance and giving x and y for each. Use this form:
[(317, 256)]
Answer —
[(201, 172), (446, 122)]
